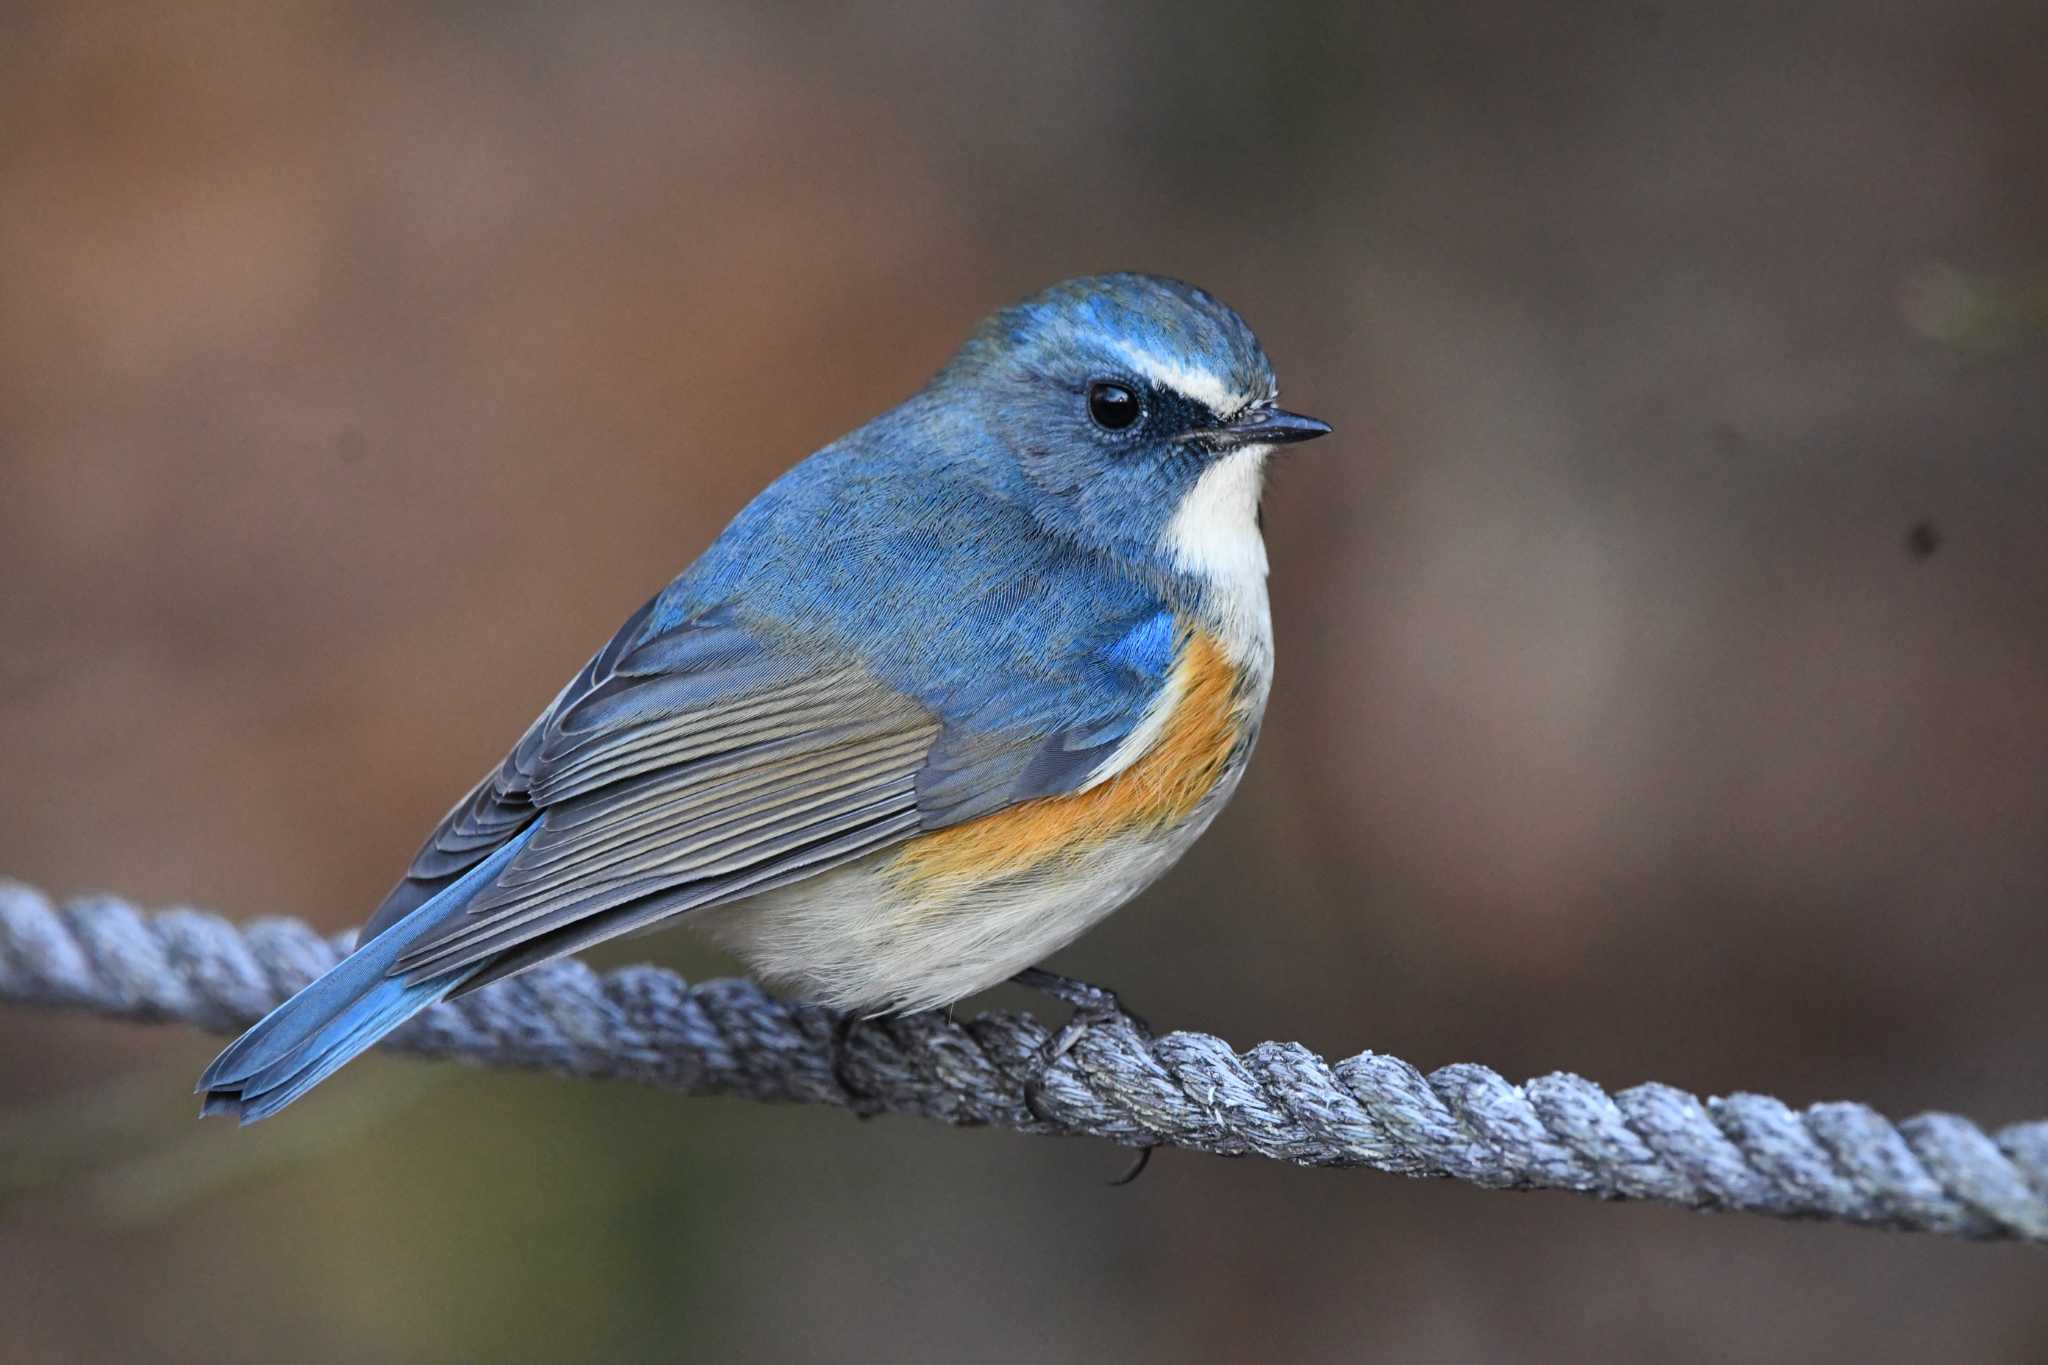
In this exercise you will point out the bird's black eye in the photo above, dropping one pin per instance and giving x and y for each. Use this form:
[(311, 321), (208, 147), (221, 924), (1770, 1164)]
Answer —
[(1113, 406)]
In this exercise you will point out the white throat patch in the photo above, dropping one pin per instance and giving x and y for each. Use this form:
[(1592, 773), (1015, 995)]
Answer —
[(1214, 535)]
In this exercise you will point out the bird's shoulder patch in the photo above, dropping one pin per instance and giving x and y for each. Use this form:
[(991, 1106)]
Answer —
[(1157, 790), (1148, 648)]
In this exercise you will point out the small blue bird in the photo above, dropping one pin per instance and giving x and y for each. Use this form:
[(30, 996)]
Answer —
[(944, 695)]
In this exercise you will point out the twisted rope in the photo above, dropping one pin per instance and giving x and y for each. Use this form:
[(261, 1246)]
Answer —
[(1843, 1161)]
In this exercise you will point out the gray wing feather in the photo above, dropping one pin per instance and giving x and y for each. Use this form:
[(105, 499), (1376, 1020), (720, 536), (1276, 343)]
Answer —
[(649, 912), (703, 878), (692, 847), (673, 772)]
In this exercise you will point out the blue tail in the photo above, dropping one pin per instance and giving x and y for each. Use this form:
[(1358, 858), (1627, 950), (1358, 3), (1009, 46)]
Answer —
[(306, 1039)]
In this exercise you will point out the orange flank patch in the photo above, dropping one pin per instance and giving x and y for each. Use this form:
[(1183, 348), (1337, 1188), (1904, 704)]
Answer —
[(1163, 787)]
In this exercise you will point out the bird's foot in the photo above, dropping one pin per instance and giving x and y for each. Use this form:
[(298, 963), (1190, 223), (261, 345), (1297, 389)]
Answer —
[(1093, 1007)]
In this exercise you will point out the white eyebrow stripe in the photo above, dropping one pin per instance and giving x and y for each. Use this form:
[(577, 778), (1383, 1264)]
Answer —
[(1200, 385)]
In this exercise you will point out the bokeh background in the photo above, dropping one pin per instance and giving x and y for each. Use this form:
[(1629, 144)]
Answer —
[(1663, 641)]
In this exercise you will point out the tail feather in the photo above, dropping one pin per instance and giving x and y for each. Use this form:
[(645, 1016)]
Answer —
[(310, 1036)]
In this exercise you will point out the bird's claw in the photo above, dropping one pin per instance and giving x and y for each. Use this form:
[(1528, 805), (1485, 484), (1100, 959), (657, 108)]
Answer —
[(1138, 1165)]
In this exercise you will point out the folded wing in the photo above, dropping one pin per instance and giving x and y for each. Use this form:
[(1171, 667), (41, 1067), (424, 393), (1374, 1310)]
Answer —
[(678, 769)]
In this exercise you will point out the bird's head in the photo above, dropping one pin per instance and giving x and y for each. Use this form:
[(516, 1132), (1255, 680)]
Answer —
[(1139, 413)]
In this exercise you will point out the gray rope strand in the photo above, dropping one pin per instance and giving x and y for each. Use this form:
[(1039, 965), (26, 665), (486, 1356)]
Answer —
[(1845, 1162)]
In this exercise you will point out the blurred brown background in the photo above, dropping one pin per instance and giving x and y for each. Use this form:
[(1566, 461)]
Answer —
[(361, 367)]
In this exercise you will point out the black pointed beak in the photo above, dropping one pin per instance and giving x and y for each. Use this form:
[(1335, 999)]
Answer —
[(1264, 426)]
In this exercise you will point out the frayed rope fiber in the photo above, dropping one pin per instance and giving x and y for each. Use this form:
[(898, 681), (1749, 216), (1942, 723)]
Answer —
[(1843, 1161)]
